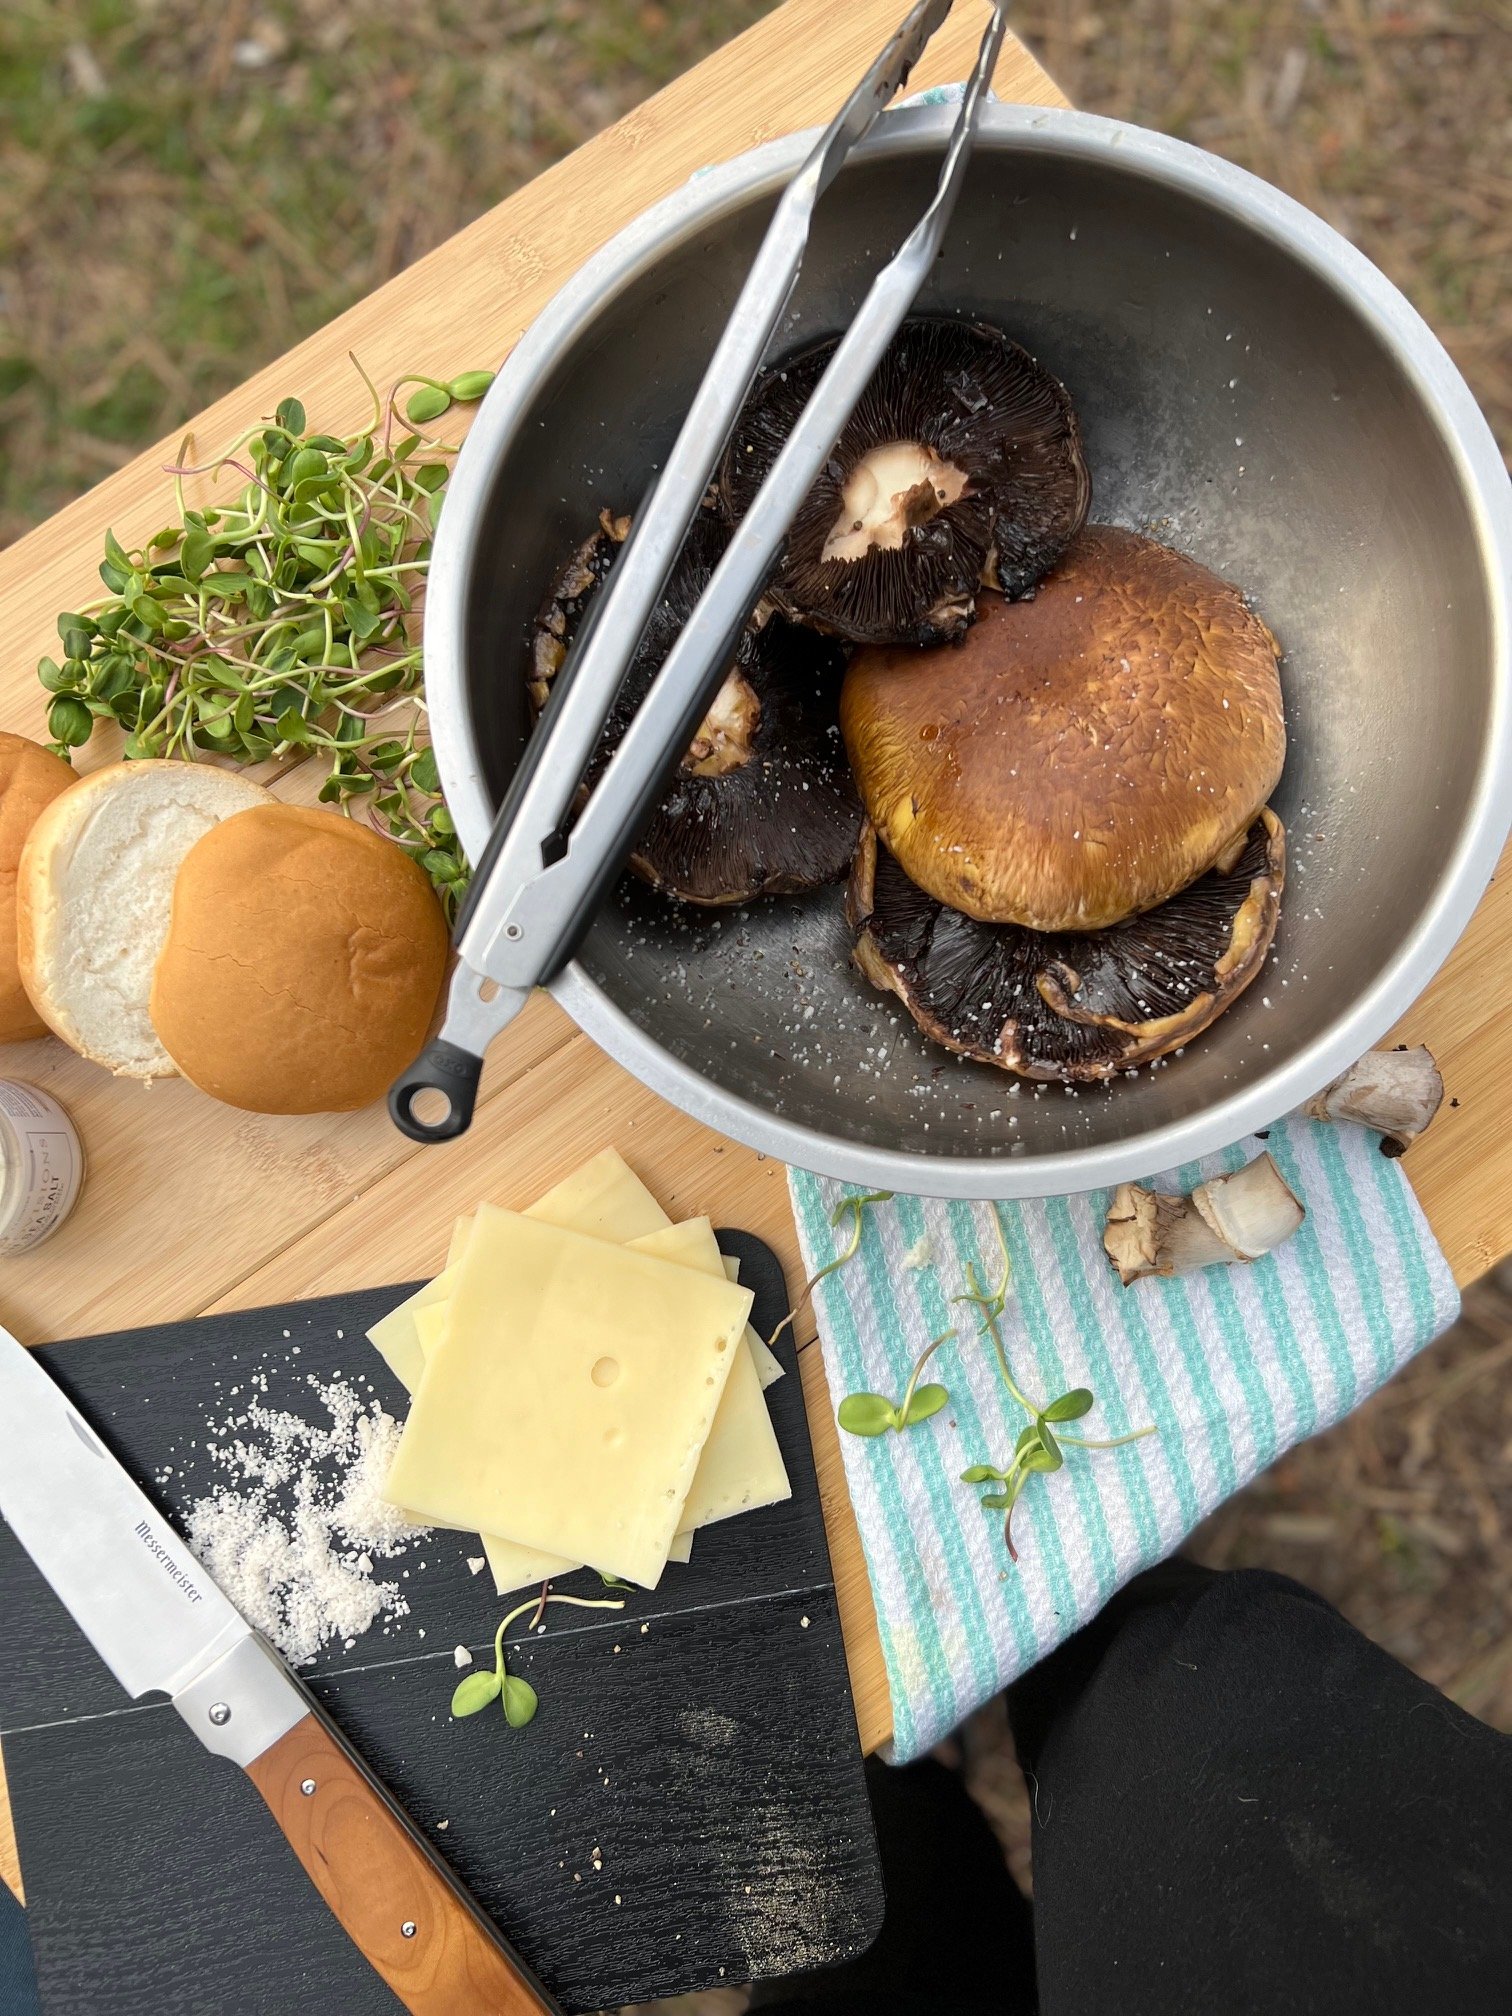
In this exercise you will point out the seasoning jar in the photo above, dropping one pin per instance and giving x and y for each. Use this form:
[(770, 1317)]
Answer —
[(41, 1166)]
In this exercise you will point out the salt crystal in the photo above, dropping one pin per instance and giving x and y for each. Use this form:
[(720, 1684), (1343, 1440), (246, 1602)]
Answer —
[(461, 1656), (293, 1523)]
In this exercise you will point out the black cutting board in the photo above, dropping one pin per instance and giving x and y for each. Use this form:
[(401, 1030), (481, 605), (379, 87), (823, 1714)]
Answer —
[(711, 1760)]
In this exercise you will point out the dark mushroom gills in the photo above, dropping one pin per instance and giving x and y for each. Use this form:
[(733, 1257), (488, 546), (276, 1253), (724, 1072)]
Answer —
[(1074, 1005), (961, 465), (1082, 755), (762, 802)]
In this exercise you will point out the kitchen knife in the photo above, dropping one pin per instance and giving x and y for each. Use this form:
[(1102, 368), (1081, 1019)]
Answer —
[(162, 1626)]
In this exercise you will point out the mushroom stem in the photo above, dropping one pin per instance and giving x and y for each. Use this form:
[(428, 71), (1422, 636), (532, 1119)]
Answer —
[(1395, 1091), (1236, 1217)]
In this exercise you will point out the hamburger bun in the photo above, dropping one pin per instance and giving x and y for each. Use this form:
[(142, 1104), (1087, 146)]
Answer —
[(93, 895), (30, 778), (302, 963)]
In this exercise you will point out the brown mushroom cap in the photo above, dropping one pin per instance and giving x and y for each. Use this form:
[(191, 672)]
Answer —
[(1081, 755), (762, 803), (1077, 1005), (962, 464)]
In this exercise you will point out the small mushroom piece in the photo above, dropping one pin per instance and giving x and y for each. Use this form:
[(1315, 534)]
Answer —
[(1238, 1217), (1397, 1092), (763, 801), (1086, 753), (961, 465), (1077, 1005)]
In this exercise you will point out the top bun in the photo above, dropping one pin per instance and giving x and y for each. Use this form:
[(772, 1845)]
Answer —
[(1083, 754), (93, 894), (302, 963), (30, 778)]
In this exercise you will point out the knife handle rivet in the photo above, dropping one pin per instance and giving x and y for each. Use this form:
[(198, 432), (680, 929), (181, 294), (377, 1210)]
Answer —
[(307, 1786), (513, 932), (408, 1928), (220, 1714)]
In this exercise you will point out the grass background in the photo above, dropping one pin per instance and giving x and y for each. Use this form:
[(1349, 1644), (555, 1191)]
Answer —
[(185, 189)]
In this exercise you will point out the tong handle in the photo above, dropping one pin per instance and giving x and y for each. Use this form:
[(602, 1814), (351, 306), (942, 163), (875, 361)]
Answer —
[(451, 1064), (441, 1067)]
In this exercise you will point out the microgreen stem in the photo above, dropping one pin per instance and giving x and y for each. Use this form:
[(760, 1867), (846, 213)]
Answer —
[(855, 1207), (1114, 1442), (919, 1363)]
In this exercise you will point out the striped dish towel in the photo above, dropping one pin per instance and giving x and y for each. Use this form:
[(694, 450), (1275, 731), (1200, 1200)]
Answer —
[(1231, 1365)]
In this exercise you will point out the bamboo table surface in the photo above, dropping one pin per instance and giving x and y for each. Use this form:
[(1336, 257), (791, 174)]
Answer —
[(191, 1206)]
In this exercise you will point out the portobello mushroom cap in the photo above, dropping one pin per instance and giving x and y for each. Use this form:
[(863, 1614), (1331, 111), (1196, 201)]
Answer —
[(1085, 753), (961, 465), (1078, 1005), (763, 801)]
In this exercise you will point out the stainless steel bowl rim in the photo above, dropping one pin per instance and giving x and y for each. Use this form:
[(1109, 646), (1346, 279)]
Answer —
[(1137, 152)]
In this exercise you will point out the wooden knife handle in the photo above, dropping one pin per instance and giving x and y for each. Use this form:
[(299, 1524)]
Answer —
[(392, 1895)]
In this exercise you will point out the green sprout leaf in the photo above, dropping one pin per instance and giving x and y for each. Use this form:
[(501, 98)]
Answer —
[(282, 621), (69, 721), (926, 1400), (520, 1701), (429, 403), (475, 1692), (866, 1414), (1070, 1406), (519, 1698)]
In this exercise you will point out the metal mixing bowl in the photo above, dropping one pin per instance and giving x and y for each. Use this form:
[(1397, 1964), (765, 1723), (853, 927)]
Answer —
[(1253, 391)]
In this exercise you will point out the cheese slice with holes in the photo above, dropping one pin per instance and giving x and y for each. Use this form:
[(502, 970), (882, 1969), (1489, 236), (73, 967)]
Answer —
[(608, 1200), (741, 1467), (604, 1198), (573, 1395)]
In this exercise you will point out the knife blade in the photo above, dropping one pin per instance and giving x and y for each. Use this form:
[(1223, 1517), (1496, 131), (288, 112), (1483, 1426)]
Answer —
[(162, 1626)]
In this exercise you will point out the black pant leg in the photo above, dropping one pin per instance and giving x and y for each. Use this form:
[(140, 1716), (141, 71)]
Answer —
[(957, 1937), (1242, 1805)]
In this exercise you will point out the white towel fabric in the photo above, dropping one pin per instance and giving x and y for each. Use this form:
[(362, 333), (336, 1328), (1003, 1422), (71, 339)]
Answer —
[(1231, 1366)]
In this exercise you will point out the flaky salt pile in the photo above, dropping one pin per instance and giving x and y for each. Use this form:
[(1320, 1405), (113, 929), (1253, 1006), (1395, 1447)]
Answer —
[(291, 1533)]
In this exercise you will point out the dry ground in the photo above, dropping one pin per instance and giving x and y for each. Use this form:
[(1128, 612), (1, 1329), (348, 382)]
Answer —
[(186, 188)]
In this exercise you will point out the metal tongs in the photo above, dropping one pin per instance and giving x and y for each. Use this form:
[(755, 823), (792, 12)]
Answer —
[(543, 874)]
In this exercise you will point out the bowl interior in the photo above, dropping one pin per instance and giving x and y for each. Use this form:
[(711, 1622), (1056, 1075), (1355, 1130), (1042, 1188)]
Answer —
[(1233, 404)]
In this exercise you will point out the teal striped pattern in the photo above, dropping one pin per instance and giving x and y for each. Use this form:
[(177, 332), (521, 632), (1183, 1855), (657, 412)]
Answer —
[(1231, 1366)]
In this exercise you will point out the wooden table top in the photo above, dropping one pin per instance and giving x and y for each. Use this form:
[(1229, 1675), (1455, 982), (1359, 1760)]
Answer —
[(191, 1206)]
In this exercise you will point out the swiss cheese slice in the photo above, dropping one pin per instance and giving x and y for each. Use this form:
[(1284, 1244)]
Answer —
[(768, 1364), (741, 1467), (605, 1198), (396, 1337), (571, 1402)]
